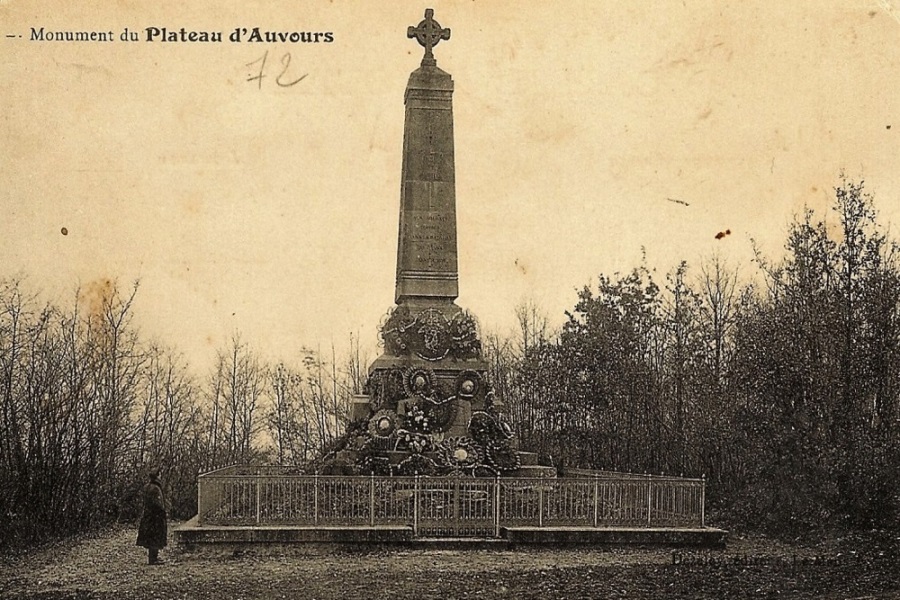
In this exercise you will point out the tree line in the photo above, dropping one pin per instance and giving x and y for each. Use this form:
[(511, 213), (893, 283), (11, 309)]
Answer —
[(88, 406), (779, 386)]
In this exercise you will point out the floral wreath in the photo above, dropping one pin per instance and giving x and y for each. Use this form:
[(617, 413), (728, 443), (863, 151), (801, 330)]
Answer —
[(432, 335), (429, 334), (383, 424), (418, 382), (359, 442), (395, 324), (417, 443), (485, 471), (502, 457), (461, 453), (464, 335), (486, 429), (489, 399), (385, 387), (468, 384), (374, 463), (417, 420), (417, 464), (440, 415)]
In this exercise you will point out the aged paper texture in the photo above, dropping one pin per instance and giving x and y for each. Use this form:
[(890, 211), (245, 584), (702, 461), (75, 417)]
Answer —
[(585, 136)]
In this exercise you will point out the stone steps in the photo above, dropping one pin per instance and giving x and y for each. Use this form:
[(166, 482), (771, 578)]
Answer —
[(192, 537)]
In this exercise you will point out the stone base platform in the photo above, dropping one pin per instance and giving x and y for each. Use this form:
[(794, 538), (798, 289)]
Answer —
[(706, 537), (191, 537)]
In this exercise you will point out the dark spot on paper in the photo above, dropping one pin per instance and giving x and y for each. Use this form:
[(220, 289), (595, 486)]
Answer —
[(677, 201), (722, 234), (64, 231), (888, 127), (521, 267)]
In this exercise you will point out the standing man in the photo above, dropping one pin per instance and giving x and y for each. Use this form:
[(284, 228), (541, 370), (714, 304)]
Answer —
[(152, 531)]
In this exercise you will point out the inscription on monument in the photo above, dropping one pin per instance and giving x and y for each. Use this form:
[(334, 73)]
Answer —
[(431, 239)]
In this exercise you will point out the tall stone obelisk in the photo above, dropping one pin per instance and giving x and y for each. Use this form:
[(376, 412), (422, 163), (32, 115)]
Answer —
[(426, 249), (429, 407)]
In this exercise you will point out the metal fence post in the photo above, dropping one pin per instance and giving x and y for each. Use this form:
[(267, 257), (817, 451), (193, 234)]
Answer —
[(672, 487), (316, 499), (649, 499), (703, 501), (456, 511), (416, 507), (258, 494), (596, 500), (541, 502), (372, 500), (497, 506), (200, 506)]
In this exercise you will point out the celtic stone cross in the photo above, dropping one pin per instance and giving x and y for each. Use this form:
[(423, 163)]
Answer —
[(428, 33)]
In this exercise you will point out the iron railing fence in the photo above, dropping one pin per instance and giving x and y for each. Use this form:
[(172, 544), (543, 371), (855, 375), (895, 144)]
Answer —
[(448, 506)]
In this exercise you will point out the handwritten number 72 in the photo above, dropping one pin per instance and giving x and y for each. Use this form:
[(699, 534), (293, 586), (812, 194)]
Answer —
[(260, 74)]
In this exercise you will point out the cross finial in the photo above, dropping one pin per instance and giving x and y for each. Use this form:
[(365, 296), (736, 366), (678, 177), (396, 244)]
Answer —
[(428, 33)]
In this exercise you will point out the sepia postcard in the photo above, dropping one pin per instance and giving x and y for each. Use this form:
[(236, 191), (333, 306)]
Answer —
[(232, 173)]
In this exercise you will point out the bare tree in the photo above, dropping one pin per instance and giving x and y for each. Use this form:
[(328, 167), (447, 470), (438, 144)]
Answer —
[(718, 294), (236, 387), (286, 419)]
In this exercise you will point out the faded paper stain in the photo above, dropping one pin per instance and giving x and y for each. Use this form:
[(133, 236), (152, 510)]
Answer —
[(95, 296)]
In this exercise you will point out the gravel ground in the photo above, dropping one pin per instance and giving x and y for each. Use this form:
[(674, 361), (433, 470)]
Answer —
[(109, 565)]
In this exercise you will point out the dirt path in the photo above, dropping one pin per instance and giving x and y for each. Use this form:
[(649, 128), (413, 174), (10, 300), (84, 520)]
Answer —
[(110, 566)]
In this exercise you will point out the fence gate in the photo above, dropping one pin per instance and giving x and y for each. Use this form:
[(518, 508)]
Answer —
[(457, 507)]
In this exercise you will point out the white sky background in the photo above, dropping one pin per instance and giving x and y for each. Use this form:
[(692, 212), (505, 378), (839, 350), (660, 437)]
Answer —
[(274, 211)]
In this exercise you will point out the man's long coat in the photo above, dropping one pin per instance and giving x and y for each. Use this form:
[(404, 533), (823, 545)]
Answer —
[(152, 531)]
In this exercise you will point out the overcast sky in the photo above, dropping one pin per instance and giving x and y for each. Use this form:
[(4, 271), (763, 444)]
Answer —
[(244, 205)]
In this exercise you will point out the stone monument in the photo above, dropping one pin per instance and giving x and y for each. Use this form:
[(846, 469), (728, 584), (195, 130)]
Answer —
[(429, 408)]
